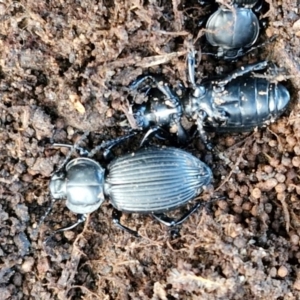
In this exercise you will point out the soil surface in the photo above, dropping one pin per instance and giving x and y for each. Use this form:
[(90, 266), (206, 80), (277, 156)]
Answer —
[(65, 70)]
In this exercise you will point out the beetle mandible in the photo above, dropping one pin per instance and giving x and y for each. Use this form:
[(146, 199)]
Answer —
[(150, 181)]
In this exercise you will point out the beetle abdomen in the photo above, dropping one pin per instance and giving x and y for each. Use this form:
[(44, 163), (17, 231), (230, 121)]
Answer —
[(249, 102), (155, 180)]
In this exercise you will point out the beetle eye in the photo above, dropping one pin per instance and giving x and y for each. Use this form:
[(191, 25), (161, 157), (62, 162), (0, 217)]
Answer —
[(199, 91)]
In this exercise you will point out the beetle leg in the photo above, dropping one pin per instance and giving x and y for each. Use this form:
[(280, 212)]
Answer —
[(176, 121), (116, 216), (258, 6), (202, 133), (170, 95), (72, 148), (44, 216), (164, 219), (162, 134), (261, 45), (80, 219), (141, 79), (163, 87), (242, 71), (153, 131), (191, 67), (108, 145), (82, 151), (181, 134)]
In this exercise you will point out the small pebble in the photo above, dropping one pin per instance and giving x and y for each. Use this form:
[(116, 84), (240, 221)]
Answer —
[(28, 264), (282, 271), (294, 239), (270, 184), (296, 161), (256, 193), (273, 272), (296, 285)]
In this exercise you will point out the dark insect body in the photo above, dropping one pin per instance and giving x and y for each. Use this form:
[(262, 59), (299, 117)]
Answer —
[(236, 102)]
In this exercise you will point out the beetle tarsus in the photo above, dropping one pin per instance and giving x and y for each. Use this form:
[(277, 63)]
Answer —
[(116, 216), (81, 218), (164, 219), (153, 131)]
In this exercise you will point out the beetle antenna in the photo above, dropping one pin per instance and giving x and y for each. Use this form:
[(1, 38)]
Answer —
[(73, 149), (36, 230)]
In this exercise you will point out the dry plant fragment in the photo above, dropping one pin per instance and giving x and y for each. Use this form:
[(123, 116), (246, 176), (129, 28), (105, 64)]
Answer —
[(75, 100), (152, 61), (286, 214)]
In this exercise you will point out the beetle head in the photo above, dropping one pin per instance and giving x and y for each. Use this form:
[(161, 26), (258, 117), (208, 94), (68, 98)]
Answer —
[(58, 185), (140, 115)]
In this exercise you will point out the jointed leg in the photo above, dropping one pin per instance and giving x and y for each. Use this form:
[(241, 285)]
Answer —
[(191, 67), (171, 222), (202, 133), (80, 219), (242, 71), (116, 216), (108, 145), (165, 89)]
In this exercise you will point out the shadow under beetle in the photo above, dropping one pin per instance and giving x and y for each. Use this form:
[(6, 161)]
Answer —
[(150, 181), (236, 102), (234, 29)]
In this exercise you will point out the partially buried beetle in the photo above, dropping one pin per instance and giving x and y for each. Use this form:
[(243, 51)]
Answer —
[(233, 28), (150, 181), (237, 102)]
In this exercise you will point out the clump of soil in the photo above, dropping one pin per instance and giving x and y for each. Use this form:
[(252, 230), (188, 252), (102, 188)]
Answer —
[(65, 70)]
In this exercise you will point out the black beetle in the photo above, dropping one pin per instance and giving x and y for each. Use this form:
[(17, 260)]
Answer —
[(150, 181), (233, 29), (236, 102)]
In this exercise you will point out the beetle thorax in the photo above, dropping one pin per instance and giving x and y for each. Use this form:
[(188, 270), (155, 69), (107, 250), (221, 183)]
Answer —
[(198, 100), (84, 185)]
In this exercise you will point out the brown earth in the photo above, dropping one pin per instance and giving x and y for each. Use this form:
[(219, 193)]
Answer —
[(65, 67)]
